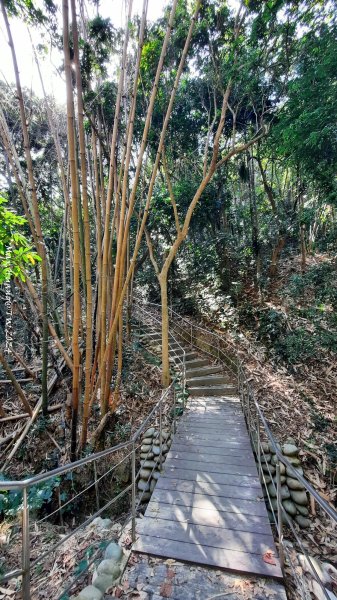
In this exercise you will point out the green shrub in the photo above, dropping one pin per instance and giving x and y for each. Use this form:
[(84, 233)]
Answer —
[(38, 496)]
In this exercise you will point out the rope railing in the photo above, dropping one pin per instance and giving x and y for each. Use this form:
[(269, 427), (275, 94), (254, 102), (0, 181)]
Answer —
[(162, 414), (216, 347)]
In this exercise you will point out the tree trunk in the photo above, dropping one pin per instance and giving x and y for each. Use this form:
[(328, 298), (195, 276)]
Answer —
[(276, 255)]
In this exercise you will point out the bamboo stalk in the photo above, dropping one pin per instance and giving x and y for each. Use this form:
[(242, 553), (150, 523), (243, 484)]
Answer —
[(88, 337), (16, 384), (75, 229)]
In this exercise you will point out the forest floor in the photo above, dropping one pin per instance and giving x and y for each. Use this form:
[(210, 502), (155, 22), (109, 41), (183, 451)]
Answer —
[(47, 444)]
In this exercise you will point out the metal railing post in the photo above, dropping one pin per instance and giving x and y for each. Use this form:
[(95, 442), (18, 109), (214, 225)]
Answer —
[(258, 442), (279, 514), (184, 378), (96, 486), (160, 436), (133, 491), (25, 547), (174, 410)]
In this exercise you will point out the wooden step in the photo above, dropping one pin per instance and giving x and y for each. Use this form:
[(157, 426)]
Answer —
[(198, 362), (209, 370), (214, 390), (188, 355), (209, 380)]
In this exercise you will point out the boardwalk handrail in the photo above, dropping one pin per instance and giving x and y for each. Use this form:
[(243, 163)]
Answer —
[(132, 446), (259, 431)]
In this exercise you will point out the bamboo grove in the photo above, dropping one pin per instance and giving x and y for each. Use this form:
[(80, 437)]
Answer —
[(108, 169)]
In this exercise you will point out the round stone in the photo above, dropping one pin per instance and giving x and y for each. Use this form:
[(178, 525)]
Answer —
[(294, 484), (268, 468), (283, 479), (273, 503), (148, 464), (291, 440), (145, 474), (102, 523), (149, 433), (290, 507), (165, 449), (275, 461), (143, 485), (303, 510), (147, 441), (285, 494), (146, 455), (156, 474), (145, 448), (302, 521), (289, 449), (156, 450), (90, 592), (292, 472), (299, 497), (113, 551), (294, 461), (165, 434), (103, 582), (265, 458), (265, 447), (266, 480), (153, 484), (109, 567), (272, 490)]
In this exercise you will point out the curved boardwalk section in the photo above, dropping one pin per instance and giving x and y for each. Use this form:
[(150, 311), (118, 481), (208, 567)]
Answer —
[(208, 506)]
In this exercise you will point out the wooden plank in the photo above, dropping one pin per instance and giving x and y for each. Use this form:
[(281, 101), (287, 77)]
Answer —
[(208, 516), (215, 413), (196, 465), (219, 431), (235, 505), (210, 450), (204, 440), (224, 400), (210, 489), (206, 420), (210, 417), (195, 402), (216, 557), (207, 477), (216, 459), (220, 423), (202, 535), (214, 438)]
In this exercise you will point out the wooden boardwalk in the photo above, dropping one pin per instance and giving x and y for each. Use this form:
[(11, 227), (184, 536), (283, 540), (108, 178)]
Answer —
[(208, 507)]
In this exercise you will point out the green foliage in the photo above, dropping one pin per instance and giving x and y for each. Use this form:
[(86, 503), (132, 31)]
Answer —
[(39, 496), (16, 254), (272, 325)]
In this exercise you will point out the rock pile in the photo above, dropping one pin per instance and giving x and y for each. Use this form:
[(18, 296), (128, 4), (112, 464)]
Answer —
[(294, 497), (152, 455), (106, 574)]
